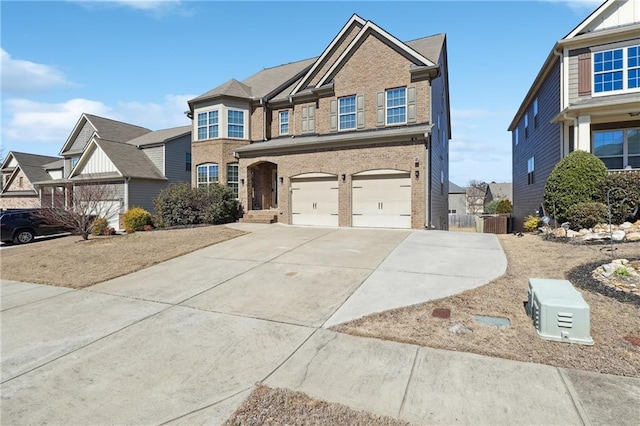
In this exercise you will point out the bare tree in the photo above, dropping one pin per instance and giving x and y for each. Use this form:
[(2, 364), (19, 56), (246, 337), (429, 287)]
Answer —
[(82, 206), (476, 191)]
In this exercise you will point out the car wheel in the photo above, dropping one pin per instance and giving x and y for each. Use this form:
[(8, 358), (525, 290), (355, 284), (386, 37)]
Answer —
[(24, 237)]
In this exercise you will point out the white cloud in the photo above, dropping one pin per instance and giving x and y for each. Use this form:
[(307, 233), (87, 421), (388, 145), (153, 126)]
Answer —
[(579, 6), (155, 7), (41, 122), (21, 76)]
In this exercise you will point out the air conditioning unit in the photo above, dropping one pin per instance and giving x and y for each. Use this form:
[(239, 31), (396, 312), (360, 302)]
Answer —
[(558, 311)]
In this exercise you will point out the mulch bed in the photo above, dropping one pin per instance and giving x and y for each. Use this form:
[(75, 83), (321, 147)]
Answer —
[(581, 276)]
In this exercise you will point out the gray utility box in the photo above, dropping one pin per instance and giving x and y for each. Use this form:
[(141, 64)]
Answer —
[(558, 311)]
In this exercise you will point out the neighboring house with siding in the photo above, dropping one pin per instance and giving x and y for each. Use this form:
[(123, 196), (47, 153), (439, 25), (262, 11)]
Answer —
[(498, 191), (457, 199), (132, 163), (586, 97), (358, 136), (19, 171)]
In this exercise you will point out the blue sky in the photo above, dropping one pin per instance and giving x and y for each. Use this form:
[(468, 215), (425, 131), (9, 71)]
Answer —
[(140, 61)]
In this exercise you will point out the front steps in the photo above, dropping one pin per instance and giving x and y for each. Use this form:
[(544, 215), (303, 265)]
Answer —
[(260, 216)]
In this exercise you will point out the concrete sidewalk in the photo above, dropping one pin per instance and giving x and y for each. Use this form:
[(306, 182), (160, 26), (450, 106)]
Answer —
[(187, 340), (430, 386)]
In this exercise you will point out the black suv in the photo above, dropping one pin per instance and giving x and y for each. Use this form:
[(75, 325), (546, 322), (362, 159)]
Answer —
[(22, 226)]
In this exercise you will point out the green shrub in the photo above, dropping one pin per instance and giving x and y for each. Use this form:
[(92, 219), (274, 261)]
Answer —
[(577, 178), (99, 226), (136, 218), (504, 206), (180, 205), (532, 223), (586, 215), (491, 207), (624, 196)]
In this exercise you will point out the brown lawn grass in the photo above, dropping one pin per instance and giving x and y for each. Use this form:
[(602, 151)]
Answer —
[(73, 262), (528, 257)]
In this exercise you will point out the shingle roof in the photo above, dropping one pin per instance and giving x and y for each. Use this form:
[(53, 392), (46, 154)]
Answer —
[(160, 136), (430, 47), (32, 165), (58, 164), (129, 160), (231, 88), (501, 190), (113, 130), (455, 189), (284, 78)]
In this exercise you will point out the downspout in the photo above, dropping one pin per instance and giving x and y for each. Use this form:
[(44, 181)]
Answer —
[(264, 119), (558, 53), (429, 224)]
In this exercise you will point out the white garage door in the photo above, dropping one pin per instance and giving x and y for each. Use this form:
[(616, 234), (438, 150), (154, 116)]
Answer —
[(109, 209), (314, 200), (382, 200)]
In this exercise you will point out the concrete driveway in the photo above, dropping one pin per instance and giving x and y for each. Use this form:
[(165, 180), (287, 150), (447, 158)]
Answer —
[(185, 341)]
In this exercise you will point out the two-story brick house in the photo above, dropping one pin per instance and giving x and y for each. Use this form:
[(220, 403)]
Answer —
[(586, 97), (358, 136)]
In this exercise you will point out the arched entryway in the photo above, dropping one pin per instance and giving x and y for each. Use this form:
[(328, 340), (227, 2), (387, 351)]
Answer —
[(263, 186)]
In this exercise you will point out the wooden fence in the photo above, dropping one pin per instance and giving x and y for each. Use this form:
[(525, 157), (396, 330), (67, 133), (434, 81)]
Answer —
[(462, 220)]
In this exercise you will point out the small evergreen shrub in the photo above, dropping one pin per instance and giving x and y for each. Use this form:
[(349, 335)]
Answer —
[(624, 196), (182, 205), (109, 231), (532, 223), (136, 219), (586, 215), (491, 207), (99, 226), (130, 230), (504, 206), (577, 178)]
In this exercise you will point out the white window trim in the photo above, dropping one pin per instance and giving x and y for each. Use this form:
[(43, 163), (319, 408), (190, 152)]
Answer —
[(237, 177), (281, 122), (625, 69), (207, 183), (223, 122), (244, 123), (197, 127), (387, 108), (354, 113)]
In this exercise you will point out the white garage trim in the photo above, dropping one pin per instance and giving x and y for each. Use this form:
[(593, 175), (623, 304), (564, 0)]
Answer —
[(381, 199), (314, 199)]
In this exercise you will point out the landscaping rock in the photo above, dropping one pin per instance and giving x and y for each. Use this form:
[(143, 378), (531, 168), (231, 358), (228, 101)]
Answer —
[(618, 235), (444, 313), (633, 236), (459, 329)]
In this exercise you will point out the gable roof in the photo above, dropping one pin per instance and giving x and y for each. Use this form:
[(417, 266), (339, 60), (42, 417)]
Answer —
[(354, 21), (160, 136), (371, 28), (105, 128), (500, 190), (128, 160), (281, 82), (575, 36), (32, 165), (455, 189)]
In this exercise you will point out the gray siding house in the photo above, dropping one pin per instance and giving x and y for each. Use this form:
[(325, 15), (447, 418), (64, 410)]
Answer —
[(587, 97), (132, 163)]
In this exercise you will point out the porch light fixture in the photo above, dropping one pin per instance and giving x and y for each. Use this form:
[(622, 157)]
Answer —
[(417, 172), (241, 181), (281, 180), (344, 177)]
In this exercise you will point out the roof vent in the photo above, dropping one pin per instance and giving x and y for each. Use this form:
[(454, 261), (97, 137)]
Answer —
[(558, 311)]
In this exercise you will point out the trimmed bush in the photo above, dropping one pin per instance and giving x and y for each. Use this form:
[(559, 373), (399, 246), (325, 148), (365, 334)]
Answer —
[(586, 215), (491, 207), (624, 196), (577, 178), (504, 206), (109, 231), (532, 223), (136, 218), (182, 205), (99, 226)]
